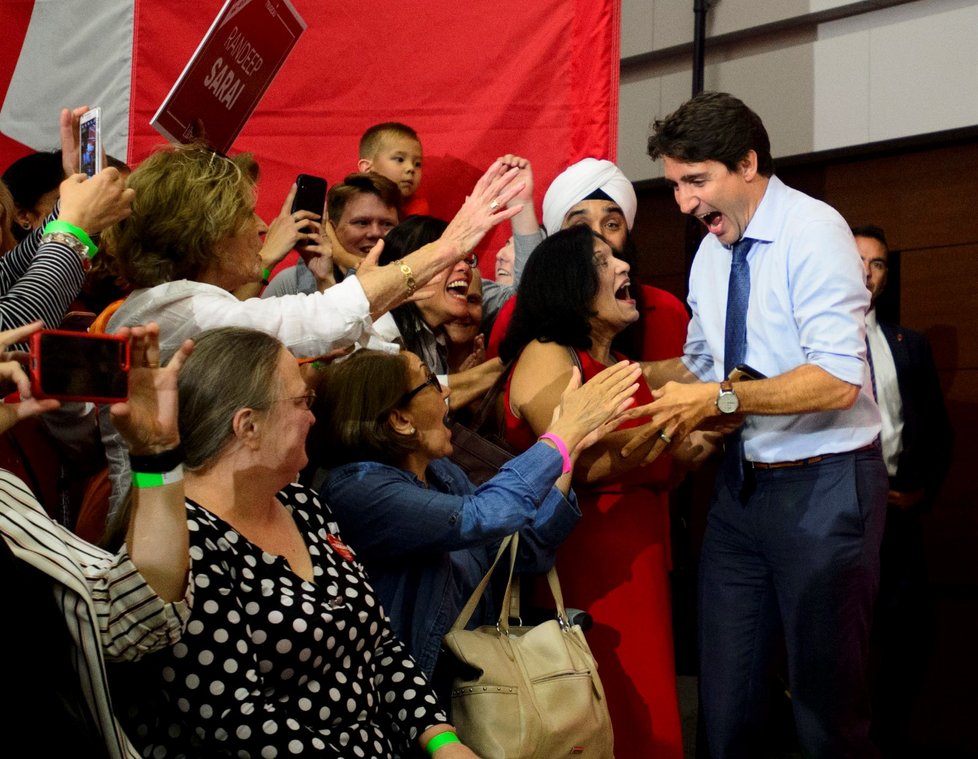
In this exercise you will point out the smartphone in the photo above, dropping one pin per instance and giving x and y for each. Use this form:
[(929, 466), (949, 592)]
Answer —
[(90, 142), (310, 194), (743, 372), (79, 366)]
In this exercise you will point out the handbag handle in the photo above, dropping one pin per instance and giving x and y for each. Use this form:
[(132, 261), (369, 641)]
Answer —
[(511, 542)]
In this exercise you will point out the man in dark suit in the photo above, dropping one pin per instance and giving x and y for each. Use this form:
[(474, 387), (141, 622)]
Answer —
[(916, 440)]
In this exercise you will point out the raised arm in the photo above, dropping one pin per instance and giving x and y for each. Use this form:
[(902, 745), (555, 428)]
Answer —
[(40, 279), (388, 286), (157, 538)]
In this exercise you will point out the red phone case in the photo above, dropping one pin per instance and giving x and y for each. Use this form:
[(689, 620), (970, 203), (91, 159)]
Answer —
[(73, 354)]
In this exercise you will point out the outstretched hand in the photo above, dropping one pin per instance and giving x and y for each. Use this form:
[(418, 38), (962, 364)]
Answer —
[(148, 419), (590, 411), (13, 377), (485, 207)]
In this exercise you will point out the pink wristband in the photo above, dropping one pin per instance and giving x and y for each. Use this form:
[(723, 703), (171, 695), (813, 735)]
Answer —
[(561, 448)]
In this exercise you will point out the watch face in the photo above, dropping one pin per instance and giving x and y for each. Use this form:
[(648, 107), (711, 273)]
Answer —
[(728, 402)]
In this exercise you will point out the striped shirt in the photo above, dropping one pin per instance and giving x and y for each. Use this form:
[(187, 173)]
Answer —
[(110, 612), (38, 281)]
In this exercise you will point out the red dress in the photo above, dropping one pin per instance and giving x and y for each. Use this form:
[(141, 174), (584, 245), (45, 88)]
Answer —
[(615, 566)]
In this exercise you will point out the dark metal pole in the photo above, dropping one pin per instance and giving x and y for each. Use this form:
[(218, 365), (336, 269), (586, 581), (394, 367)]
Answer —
[(700, 7)]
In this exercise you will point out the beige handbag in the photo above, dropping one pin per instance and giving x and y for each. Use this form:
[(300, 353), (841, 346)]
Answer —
[(526, 692)]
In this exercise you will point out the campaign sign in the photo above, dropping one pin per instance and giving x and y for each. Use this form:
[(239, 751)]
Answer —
[(229, 72)]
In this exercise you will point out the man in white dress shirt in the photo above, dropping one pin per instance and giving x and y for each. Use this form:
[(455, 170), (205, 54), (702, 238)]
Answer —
[(916, 439)]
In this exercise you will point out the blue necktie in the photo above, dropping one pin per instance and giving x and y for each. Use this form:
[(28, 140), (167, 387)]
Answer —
[(738, 293), (735, 350)]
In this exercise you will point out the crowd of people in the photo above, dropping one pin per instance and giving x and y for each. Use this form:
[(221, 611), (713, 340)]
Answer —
[(285, 537)]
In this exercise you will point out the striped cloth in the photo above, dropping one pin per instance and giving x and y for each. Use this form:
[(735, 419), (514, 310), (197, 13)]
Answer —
[(38, 282), (110, 611)]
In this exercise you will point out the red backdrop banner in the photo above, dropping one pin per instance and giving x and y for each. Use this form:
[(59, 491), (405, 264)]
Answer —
[(475, 80)]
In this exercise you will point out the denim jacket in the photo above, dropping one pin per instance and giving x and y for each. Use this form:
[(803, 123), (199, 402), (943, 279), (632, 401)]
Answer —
[(426, 548)]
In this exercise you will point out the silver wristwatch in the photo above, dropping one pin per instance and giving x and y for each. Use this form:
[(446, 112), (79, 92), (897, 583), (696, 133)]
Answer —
[(727, 400)]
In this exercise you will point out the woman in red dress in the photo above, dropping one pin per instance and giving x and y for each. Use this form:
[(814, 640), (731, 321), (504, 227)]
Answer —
[(573, 300)]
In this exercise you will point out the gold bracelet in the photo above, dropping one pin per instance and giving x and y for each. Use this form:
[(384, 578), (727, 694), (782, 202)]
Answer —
[(409, 282)]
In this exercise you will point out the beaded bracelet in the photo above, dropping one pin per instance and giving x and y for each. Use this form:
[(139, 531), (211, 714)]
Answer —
[(57, 225), (440, 740), (409, 281)]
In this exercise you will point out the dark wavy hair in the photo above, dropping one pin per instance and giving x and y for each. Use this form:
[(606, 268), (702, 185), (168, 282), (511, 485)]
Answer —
[(712, 126), (354, 399), (553, 302)]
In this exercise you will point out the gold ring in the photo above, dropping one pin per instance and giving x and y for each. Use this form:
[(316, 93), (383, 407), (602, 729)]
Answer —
[(494, 205), (664, 437)]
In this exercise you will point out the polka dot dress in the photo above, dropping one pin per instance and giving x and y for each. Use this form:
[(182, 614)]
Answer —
[(273, 666)]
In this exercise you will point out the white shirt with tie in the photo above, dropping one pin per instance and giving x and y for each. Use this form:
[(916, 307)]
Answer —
[(887, 393)]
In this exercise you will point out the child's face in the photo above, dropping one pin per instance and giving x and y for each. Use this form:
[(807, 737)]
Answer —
[(399, 159)]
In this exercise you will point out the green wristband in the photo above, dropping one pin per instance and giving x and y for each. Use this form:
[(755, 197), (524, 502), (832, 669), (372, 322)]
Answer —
[(56, 225), (440, 740), (157, 479)]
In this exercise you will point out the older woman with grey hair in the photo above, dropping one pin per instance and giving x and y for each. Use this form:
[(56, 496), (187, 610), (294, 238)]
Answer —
[(287, 650)]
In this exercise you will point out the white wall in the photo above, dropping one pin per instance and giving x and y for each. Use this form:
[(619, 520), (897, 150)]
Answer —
[(822, 74)]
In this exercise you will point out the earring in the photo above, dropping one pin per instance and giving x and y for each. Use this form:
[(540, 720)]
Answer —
[(411, 431), (25, 225)]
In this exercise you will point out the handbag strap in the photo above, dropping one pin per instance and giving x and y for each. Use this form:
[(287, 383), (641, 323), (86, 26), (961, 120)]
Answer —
[(469, 609), (511, 594)]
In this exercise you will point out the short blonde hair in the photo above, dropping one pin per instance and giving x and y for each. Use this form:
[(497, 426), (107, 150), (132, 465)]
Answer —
[(188, 198)]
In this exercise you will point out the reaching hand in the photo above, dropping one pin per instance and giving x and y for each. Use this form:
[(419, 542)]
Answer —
[(71, 139), (485, 207), (148, 419), (477, 356), (524, 176), (588, 412), (13, 377), (97, 202)]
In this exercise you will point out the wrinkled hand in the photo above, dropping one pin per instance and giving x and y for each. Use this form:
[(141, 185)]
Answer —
[(595, 408), (524, 176), (485, 207), (13, 377), (148, 419), (97, 202), (477, 356)]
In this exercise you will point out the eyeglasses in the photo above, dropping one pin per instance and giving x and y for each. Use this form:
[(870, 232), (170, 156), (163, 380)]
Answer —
[(431, 380), (307, 400)]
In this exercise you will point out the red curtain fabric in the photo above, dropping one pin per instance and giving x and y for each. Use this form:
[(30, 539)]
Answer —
[(475, 80)]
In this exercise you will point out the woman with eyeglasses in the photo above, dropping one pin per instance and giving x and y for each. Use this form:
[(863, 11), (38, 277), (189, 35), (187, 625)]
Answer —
[(287, 650), (426, 534)]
